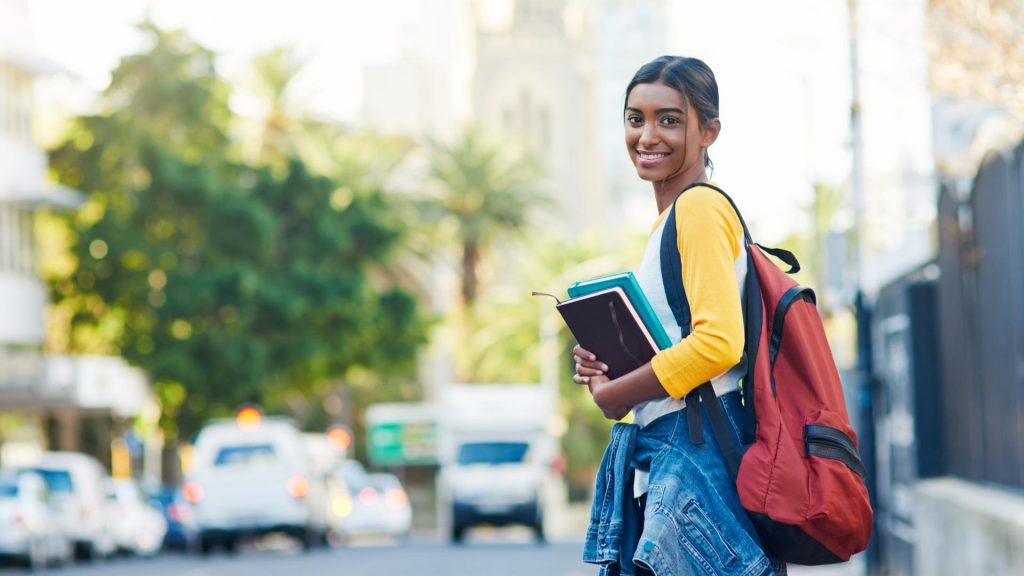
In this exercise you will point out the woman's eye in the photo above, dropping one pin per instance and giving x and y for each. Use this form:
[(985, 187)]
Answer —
[(671, 121), (634, 119)]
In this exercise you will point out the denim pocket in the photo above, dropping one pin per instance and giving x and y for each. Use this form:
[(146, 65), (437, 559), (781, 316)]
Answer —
[(706, 537)]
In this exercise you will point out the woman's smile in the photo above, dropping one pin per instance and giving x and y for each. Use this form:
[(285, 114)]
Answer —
[(650, 159)]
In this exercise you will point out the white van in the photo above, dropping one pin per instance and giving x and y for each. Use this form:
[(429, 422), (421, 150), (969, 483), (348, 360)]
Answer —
[(499, 458), (251, 477), (76, 485)]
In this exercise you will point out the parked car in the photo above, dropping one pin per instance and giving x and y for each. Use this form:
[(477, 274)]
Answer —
[(182, 531), (367, 504), (75, 482), (139, 528), (29, 532), (249, 477)]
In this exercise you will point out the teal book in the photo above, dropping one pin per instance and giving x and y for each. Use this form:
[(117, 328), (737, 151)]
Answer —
[(631, 288)]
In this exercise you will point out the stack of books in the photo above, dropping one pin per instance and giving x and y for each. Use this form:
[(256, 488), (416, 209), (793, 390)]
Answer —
[(611, 317)]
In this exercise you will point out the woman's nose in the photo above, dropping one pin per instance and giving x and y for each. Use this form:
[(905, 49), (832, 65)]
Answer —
[(648, 135)]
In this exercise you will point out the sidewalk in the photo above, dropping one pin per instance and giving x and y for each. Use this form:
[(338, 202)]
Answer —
[(855, 567)]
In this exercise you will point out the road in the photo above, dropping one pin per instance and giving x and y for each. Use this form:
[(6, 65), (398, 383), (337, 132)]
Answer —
[(487, 555), (495, 553)]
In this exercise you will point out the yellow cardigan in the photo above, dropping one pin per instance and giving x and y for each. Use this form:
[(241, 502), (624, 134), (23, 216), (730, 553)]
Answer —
[(709, 236)]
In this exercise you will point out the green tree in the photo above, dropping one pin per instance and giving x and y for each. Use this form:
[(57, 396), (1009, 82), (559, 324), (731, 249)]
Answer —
[(227, 283)]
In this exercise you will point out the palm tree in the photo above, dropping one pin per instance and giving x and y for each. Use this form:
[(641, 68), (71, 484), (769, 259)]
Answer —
[(486, 189), (273, 133)]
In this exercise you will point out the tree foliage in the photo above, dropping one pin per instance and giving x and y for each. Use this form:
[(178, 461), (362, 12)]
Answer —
[(485, 190), (228, 283), (976, 51)]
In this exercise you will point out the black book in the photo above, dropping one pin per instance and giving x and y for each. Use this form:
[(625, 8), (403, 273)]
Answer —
[(606, 323)]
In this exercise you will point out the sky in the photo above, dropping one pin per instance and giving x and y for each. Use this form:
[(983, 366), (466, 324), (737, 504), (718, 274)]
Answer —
[(337, 38), (781, 66)]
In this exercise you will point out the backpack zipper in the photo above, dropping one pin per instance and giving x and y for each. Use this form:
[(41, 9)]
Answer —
[(829, 442)]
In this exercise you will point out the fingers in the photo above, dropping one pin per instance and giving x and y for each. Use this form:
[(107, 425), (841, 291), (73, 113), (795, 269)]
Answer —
[(584, 370), (586, 363), (581, 352)]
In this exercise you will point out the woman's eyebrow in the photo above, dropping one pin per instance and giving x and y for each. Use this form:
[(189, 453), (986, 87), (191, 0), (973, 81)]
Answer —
[(659, 110)]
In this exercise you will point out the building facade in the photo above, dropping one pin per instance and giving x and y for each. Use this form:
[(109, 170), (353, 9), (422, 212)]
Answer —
[(22, 171), (64, 402)]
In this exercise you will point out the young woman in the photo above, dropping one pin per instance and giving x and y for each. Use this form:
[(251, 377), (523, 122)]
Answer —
[(664, 504)]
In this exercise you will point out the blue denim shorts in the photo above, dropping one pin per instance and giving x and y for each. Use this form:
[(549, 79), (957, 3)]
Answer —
[(692, 522)]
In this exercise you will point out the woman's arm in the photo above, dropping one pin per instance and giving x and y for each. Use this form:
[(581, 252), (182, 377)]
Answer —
[(616, 397)]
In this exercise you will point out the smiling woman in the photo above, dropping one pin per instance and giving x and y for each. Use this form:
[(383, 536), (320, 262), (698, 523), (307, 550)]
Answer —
[(685, 515)]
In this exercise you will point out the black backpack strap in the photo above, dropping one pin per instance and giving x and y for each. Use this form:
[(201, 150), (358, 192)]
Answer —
[(672, 278), (727, 443)]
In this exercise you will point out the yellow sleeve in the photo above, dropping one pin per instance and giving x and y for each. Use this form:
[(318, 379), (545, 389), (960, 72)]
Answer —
[(709, 238)]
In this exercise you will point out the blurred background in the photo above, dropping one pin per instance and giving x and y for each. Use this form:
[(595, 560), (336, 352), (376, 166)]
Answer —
[(265, 268)]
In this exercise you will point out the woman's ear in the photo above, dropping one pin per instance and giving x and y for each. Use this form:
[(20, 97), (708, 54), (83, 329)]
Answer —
[(710, 132)]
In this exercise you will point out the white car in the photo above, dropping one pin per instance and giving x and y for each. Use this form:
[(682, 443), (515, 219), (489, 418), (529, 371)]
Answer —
[(75, 482), (368, 504), (29, 532), (497, 482), (251, 477), (139, 528)]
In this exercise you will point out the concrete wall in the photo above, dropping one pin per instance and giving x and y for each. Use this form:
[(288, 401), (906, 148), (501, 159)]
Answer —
[(965, 528)]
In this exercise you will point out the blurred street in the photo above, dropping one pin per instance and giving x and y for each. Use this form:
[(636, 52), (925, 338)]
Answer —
[(494, 553), (484, 553)]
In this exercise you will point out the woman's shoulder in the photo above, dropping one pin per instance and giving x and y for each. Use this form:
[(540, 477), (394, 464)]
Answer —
[(706, 201)]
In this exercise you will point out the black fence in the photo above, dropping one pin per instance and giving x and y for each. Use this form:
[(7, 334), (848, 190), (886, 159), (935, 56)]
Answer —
[(907, 411), (981, 323), (947, 359)]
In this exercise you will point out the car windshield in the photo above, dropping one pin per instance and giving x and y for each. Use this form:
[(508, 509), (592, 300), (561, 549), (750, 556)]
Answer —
[(249, 454), (385, 482), (353, 474), (57, 481), (493, 452)]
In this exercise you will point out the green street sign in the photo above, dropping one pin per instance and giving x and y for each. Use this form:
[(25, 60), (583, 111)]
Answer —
[(401, 434)]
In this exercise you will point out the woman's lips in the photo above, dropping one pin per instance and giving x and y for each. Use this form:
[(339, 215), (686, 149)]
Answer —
[(648, 159)]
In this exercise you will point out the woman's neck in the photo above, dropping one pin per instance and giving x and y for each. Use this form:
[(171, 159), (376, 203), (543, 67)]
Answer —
[(665, 191)]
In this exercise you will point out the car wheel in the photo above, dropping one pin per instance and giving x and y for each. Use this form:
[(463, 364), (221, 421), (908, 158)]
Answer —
[(458, 533), (35, 559), (84, 551), (204, 546), (538, 531)]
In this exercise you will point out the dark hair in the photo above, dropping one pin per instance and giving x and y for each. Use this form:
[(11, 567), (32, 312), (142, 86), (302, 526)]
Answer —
[(691, 77)]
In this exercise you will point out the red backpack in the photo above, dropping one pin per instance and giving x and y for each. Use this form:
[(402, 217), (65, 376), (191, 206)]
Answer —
[(798, 473)]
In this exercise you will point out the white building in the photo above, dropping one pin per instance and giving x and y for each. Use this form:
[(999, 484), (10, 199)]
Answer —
[(72, 393), (550, 73), (22, 172)]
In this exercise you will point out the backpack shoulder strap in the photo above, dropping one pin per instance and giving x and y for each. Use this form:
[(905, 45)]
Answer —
[(672, 278)]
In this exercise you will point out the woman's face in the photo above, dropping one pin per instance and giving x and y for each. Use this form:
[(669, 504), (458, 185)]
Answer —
[(663, 135)]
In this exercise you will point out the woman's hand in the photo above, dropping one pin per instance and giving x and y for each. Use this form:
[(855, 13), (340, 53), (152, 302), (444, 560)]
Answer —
[(601, 391), (590, 372), (587, 365)]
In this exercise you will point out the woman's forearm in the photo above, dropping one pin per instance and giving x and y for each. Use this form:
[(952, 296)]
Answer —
[(620, 395)]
